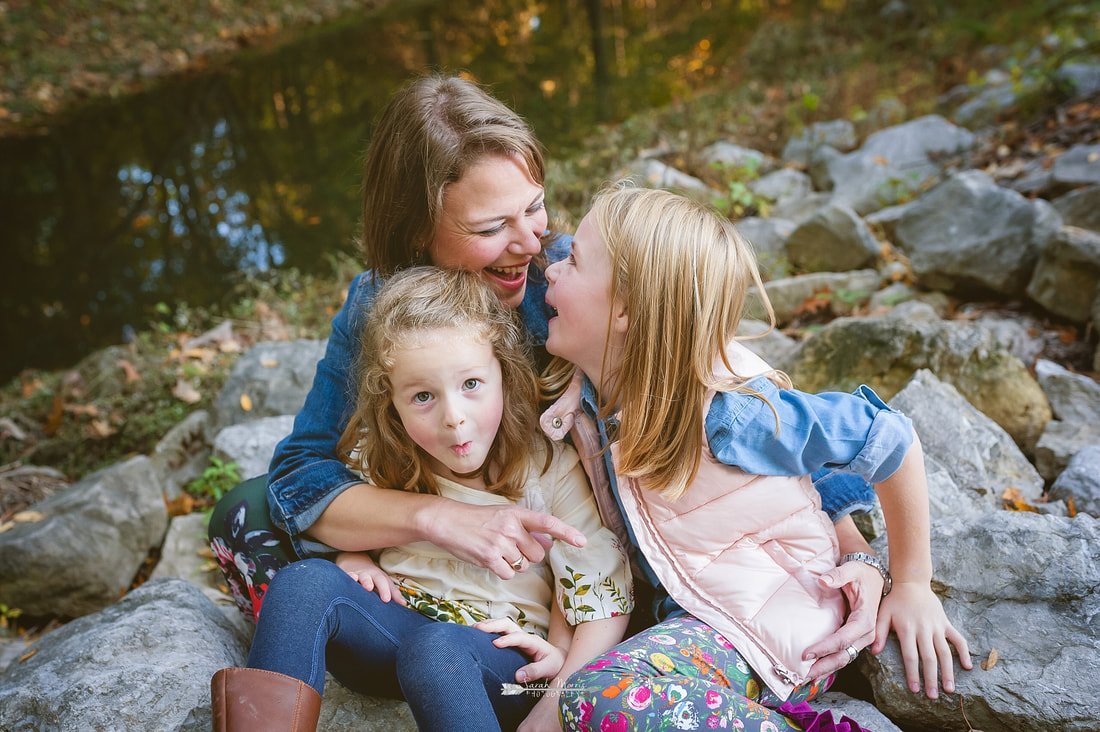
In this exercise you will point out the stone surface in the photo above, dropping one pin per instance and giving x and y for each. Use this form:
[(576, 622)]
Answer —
[(274, 376), (834, 239), (1080, 208), (1067, 274), (970, 232), (251, 445), (1081, 481), (84, 552), (841, 292)]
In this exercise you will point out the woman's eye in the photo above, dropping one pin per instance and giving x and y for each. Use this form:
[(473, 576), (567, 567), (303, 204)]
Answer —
[(471, 384), (422, 396), (536, 207), (491, 232)]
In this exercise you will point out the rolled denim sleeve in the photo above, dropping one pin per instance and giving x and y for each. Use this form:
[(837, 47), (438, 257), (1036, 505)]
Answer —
[(305, 474), (857, 432)]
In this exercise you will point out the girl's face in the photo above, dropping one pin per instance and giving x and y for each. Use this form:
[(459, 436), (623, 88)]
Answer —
[(580, 291), (493, 218), (448, 392)]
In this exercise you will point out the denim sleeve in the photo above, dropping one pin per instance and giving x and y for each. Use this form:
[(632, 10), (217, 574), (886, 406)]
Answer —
[(854, 432), (533, 311), (305, 475)]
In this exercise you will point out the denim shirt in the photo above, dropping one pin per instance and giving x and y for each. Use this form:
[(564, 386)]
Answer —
[(305, 474), (844, 442)]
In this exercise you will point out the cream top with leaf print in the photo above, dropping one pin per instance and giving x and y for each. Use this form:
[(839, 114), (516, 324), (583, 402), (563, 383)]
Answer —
[(588, 583)]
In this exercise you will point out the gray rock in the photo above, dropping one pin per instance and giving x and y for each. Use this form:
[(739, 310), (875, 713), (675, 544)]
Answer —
[(1065, 279), (970, 231), (978, 457), (144, 663), (1073, 397), (1081, 79), (895, 163), (838, 134), (88, 546), (183, 453), (834, 239), (884, 352), (1078, 166), (799, 210), (252, 444), (731, 156), (842, 292), (988, 105), (1024, 585), (1075, 404), (650, 173), (1080, 208), (767, 237), (887, 218), (1081, 481), (783, 185), (186, 555), (275, 376), (766, 342), (865, 713)]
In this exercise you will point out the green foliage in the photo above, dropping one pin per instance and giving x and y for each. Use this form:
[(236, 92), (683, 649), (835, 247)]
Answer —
[(218, 478), (7, 619), (739, 200)]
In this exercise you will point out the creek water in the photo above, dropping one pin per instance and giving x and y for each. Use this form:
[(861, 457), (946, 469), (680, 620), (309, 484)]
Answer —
[(120, 213)]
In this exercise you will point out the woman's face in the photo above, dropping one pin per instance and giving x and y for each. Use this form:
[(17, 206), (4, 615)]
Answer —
[(493, 218)]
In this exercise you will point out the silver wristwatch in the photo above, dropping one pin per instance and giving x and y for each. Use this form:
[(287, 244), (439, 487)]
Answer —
[(887, 581)]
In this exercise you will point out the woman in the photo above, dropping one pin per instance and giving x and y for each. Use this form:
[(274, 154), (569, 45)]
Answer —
[(453, 178)]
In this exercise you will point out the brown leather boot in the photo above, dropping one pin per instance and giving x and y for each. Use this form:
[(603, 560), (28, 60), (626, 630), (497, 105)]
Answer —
[(254, 700)]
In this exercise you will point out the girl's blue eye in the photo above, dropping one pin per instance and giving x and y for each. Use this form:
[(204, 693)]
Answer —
[(422, 396), (471, 383)]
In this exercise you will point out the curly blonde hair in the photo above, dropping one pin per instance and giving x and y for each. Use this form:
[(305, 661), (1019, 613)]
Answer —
[(429, 298)]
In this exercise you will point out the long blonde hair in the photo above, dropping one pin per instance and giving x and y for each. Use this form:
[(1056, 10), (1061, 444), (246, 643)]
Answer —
[(684, 273), (429, 298), (432, 131)]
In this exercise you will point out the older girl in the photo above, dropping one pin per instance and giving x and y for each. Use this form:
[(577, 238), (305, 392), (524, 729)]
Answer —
[(709, 455), (446, 407)]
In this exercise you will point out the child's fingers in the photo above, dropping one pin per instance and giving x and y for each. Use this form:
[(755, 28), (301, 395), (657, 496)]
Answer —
[(930, 665), (947, 664), (957, 640), (497, 625), (541, 669)]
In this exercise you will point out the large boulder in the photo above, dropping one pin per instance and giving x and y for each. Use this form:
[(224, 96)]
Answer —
[(1023, 585), (1065, 279), (896, 163), (884, 352), (834, 239), (838, 293), (969, 231), (1075, 404), (271, 379), (969, 459), (251, 445), (1080, 481), (1078, 166), (143, 663), (1080, 208), (91, 539)]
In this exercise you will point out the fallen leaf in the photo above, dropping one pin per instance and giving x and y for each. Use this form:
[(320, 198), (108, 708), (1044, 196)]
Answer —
[(27, 517), (246, 402), (881, 160), (269, 363), (132, 374), (1013, 500), (180, 506), (1072, 508), (185, 392), (101, 428), (7, 526), (53, 420), (89, 410), (199, 353), (25, 656), (990, 662)]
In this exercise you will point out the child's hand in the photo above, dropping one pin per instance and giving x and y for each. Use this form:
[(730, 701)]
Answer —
[(547, 659), (925, 634), (543, 717), (361, 568)]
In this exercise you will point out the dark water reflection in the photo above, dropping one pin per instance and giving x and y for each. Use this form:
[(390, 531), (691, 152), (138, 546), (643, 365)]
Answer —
[(170, 196)]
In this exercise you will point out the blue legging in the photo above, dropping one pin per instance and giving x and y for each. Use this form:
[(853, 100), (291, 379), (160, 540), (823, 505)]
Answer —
[(679, 674), (315, 616)]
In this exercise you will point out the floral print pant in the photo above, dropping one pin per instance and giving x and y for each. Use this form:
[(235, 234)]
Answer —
[(678, 675)]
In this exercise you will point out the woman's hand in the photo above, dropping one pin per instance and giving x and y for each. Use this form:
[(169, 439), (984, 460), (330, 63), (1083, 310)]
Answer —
[(361, 568), (925, 635), (496, 537), (862, 586), (546, 658)]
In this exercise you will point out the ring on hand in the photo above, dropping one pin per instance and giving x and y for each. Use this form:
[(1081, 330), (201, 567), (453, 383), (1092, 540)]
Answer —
[(518, 564), (852, 653)]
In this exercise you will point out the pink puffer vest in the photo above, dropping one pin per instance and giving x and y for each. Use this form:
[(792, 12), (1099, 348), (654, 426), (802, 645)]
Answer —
[(740, 552)]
